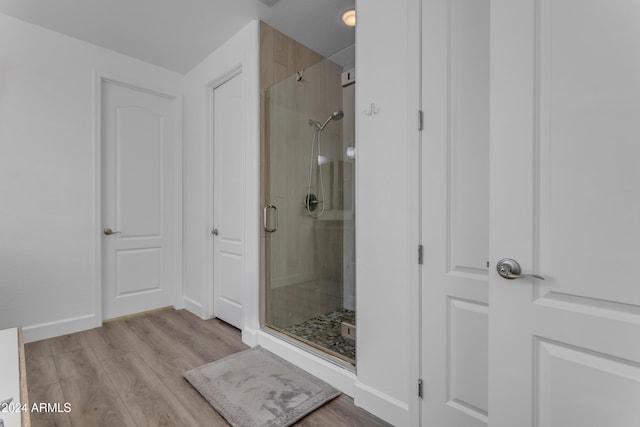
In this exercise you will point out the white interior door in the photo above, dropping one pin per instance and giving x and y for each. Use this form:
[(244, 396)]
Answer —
[(565, 177), (455, 212), (140, 258), (228, 208)]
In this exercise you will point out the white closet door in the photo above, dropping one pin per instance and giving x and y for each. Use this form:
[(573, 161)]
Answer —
[(229, 194)]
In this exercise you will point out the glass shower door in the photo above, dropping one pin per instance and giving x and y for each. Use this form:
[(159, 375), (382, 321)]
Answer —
[(309, 189)]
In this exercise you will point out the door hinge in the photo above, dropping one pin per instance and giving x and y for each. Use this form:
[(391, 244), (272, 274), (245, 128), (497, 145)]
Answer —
[(420, 119), (420, 389), (420, 254)]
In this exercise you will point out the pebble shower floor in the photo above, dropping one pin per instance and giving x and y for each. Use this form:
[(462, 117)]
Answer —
[(326, 331)]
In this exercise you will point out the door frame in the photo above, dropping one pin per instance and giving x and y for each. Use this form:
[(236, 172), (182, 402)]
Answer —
[(99, 77), (209, 297), (414, 162)]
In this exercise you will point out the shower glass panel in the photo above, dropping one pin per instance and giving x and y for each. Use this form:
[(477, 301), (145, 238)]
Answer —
[(309, 194)]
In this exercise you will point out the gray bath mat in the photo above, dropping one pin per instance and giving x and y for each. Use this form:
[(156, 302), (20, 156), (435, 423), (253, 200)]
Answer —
[(257, 388)]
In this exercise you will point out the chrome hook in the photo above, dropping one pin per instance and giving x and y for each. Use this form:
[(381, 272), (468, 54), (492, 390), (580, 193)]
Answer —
[(372, 110)]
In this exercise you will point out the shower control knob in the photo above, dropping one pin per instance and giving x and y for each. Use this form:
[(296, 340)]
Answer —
[(214, 232)]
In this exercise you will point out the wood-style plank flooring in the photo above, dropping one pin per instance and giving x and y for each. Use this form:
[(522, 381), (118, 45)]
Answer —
[(129, 373)]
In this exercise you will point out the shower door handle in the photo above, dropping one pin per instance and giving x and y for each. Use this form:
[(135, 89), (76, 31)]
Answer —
[(275, 216)]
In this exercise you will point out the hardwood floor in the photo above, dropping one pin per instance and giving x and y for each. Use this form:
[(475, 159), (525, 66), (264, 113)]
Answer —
[(129, 373)]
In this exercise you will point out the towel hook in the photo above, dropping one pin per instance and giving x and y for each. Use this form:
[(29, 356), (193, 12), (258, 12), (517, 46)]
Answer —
[(372, 110)]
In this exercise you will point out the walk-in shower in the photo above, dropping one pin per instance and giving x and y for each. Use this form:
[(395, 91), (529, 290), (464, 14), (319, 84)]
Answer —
[(310, 209)]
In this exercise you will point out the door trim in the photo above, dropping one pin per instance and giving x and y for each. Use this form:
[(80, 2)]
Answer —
[(99, 77), (414, 99), (209, 297)]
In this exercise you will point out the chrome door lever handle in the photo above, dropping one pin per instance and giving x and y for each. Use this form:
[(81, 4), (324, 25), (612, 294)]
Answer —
[(510, 269), (109, 232)]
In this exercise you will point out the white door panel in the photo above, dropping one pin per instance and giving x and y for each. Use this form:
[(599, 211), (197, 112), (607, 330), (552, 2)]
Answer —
[(564, 186), (139, 135), (138, 270), (139, 138), (455, 212), (570, 377), (229, 190)]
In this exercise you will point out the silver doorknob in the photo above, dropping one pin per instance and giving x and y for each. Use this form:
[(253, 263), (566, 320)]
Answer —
[(510, 269), (109, 232), (214, 232)]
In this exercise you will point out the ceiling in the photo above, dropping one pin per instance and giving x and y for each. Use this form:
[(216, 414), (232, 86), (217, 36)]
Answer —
[(178, 34)]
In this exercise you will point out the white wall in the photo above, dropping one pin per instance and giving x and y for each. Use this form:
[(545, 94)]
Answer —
[(48, 229), (241, 52), (387, 59)]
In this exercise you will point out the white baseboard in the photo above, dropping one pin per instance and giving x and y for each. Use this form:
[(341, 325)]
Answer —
[(382, 405), (193, 307), (60, 327), (338, 377), (370, 399), (250, 337)]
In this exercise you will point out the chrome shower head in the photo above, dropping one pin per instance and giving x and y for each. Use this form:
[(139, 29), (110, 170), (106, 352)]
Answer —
[(336, 115)]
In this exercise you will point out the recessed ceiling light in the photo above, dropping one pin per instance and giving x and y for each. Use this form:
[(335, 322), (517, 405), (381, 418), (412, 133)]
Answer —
[(349, 18)]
